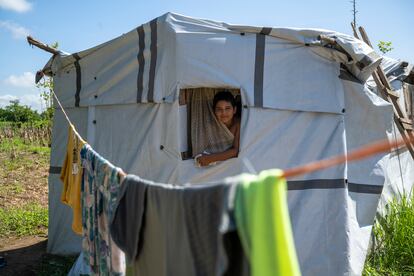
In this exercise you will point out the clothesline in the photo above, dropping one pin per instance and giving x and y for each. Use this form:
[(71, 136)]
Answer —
[(362, 152), (121, 172), (101, 217), (67, 117), (358, 154)]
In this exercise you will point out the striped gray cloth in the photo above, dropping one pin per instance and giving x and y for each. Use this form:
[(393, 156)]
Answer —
[(207, 133), (177, 230)]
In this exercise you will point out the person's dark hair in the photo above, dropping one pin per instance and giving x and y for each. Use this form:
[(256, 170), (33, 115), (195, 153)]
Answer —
[(224, 95)]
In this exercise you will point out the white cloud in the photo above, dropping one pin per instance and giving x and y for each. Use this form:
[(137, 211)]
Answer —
[(31, 100), (23, 88), (5, 100), (16, 5), (27, 79), (18, 32)]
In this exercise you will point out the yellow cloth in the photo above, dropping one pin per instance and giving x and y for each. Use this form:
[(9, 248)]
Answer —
[(71, 176)]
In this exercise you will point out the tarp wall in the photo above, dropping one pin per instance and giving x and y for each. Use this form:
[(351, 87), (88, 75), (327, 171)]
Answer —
[(298, 107)]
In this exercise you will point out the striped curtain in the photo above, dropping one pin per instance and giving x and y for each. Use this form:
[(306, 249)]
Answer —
[(206, 132)]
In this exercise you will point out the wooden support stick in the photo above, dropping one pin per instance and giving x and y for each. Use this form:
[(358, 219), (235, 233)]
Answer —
[(391, 93), (405, 120), (404, 134), (38, 44), (327, 39), (354, 30), (364, 36), (384, 86)]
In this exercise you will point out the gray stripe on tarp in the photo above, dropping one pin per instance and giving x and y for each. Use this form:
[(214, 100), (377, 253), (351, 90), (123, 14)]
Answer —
[(266, 30), (55, 170), (259, 69), (153, 62), (316, 184), (364, 188), (333, 184), (78, 79), (141, 63), (323, 184)]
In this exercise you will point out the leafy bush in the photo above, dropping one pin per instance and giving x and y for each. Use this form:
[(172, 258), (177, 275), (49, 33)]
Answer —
[(393, 248), (17, 113), (385, 46)]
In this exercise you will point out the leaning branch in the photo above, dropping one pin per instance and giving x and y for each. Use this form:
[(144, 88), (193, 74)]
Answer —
[(38, 44)]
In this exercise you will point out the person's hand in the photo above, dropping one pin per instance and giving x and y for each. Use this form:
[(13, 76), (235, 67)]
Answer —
[(203, 160)]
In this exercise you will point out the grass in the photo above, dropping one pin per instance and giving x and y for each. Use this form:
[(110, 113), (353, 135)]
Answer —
[(23, 197), (13, 149), (16, 189), (23, 172), (22, 181), (17, 144), (53, 265), (393, 249), (30, 219)]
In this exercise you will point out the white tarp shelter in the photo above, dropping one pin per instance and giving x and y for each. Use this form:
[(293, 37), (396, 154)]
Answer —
[(304, 98)]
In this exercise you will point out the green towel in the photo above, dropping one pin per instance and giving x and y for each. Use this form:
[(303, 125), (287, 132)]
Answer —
[(263, 224)]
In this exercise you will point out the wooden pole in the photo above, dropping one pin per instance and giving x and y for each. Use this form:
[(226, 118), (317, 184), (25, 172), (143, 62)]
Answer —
[(384, 87), (38, 44)]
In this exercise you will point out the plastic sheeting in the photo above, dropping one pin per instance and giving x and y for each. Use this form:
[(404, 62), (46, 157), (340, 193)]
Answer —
[(150, 64), (296, 110), (130, 136)]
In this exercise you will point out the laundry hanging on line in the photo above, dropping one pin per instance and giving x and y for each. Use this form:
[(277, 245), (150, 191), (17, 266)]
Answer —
[(90, 185), (203, 222), (192, 230), (99, 194), (360, 153), (262, 219), (174, 230)]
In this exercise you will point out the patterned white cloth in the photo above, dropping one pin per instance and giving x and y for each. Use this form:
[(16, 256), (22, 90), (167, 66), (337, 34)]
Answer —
[(100, 187)]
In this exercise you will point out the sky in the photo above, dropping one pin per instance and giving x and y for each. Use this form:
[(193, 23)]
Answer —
[(78, 25)]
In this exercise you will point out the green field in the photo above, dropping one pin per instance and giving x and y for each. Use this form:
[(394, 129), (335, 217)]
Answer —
[(24, 163)]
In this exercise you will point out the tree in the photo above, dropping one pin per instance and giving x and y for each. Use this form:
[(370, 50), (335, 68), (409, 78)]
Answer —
[(46, 92), (17, 113), (385, 46), (46, 89)]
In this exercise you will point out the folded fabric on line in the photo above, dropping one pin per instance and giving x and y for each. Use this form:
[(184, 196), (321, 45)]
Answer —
[(176, 230), (100, 189), (71, 176), (263, 223)]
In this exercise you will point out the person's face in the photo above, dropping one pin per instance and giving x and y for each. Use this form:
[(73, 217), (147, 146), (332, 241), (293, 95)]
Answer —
[(224, 112)]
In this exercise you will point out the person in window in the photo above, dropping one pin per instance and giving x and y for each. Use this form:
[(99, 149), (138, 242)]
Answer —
[(225, 110)]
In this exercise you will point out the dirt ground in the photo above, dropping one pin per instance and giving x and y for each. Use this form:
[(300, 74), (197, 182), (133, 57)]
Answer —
[(23, 255), (23, 180), (14, 175)]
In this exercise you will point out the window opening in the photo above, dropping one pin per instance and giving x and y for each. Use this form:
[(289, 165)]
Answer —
[(208, 129)]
